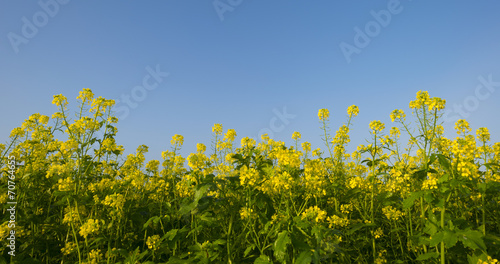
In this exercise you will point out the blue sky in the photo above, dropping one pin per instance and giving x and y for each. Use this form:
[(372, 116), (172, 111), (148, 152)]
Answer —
[(244, 63)]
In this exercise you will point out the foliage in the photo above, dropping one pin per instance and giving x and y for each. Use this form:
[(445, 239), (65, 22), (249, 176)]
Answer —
[(79, 200)]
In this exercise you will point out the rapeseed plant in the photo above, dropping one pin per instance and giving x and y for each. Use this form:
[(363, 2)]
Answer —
[(428, 199)]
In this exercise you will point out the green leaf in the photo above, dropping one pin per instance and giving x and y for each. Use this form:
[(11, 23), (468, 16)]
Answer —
[(408, 202), (444, 178), (472, 239), (445, 163), (201, 191), (357, 226), (263, 259), (281, 244), (436, 239), (304, 258), (154, 219), (248, 250), (450, 238), (432, 159), (186, 208), (171, 234), (428, 256)]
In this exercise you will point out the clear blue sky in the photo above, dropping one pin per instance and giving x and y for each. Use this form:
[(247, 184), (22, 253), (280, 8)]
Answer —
[(235, 63)]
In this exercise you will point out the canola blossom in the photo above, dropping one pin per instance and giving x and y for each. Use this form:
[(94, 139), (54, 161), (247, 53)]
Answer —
[(81, 200)]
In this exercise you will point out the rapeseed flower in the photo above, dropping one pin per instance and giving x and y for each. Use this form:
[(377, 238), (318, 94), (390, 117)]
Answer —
[(95, 256), (177, 140), (115, 200), (352, 110), (376, 126), (85, 95), (483, 134), (60, 100), (398, 115), (392, 213), (248, 176), (337, 221), (323, 114), (246, 213), (314, 213), (296, 135), (421, 100), (201, 148), (66, 184), (247, 142), (68, 248), (90, 227), (462, 126), (217, 129), (436, 103), (153, 242), (306, 146), (230, 135)]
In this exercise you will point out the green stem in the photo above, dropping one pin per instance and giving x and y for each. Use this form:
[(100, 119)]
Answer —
[(74, 235), (228, 240), (443, 261)]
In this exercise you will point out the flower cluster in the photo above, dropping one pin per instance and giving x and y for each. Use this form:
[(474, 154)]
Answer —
[(314, 213)]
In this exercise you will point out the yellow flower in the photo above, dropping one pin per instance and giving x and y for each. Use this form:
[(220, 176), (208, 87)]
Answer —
[(85, 95), (68, 248), (177, 140), (230, 135), (245, 213), (152, 165), (483, 134), (462, 126), (153, 242), (200, 148), (17, 132), (395, 132), (90, 227), (378, 233), (323, 114), (60, 100), (392, 213), (352, 110), (95, 256), (437, 103), (398, 114), (422, 99), (489, 260), (248, 176), (346, 208), (337, 221), (316, 152), (66, 184), (314, 213), (57, 115), (296, 135), (247, 142), (376, 125), (115, 200), (306, 146), (217, 129)]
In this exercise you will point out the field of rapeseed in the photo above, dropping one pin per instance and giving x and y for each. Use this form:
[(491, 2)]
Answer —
[(75, 198)]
